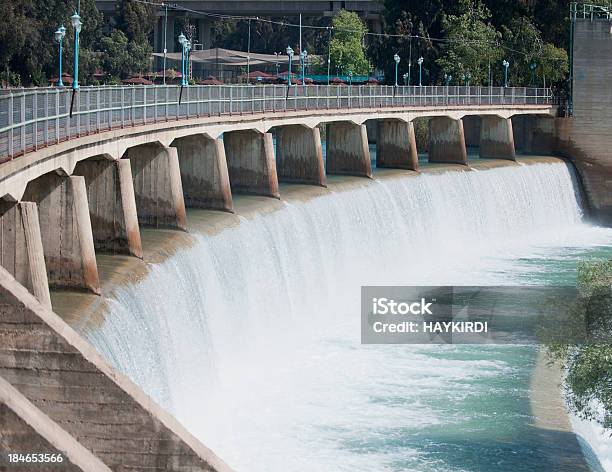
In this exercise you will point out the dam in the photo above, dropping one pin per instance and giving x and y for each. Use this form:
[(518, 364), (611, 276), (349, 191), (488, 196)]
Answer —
[(180, 272)]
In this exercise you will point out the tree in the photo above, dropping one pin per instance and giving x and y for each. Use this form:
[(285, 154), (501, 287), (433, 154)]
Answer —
[(115, 55), (346, 49), (588, 363), (472, 44)]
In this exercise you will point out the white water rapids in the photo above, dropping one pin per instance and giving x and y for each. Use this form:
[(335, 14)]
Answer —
[(251, 337)]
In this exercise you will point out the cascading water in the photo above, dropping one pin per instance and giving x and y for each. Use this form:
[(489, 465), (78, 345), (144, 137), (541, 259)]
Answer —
[(251, 337)]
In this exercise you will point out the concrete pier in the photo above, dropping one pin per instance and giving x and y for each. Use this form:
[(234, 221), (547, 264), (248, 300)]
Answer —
[(347, 149), (250, 161), (112, 205), (75, 390), (447, 141), (21, 249), (157, 186), (471, 130), (396, 145), (497, 138), (66, 232), (204, 172), (299, 155)]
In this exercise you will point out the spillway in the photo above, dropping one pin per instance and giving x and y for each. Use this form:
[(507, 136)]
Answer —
[(251, 336)]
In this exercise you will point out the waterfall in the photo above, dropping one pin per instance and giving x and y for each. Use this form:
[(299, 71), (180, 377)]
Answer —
[(251, 336)]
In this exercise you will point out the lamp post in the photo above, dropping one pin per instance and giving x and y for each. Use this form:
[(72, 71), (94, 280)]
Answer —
[(406, 76), (468, 77), (533, 67), (303, 56), (397, 59), (277, 63), (350, 74), (447, 79), (59, 38), (505, 63), (409, 71), (187, 62), (420, 63), (290, 54), (182, 40), (76, 24)]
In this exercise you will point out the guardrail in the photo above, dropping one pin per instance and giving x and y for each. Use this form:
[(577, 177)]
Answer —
[(35, 118)]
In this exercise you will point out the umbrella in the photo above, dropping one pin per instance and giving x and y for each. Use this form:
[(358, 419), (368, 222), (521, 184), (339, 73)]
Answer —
[(66, 79), (256, 74), (137, 80), (373, 81), (337, 81), (210, 80)]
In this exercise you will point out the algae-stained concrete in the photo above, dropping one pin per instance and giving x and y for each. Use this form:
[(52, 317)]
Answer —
[(348, 152), (112, 205), (447, 141), (66, 232), (250, 160), (61, 375), (299, 155), (204, 172), (157, 186), (396, 145)]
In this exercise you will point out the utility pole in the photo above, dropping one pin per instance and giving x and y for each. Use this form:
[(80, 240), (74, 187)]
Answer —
[(165, 38)]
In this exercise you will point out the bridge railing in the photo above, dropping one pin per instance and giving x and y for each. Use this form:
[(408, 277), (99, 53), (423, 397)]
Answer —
[(35, 118)]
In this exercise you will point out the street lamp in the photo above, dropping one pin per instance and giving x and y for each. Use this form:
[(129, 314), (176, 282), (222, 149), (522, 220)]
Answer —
[(76, 24), (182, 40), (59, 38), (467, 77), (290, 54), (406, 76), (447, 79), (350, 74), (277, 62), (396, 58), (533, 67), (409, 71), (420, 63), (187, 52), (505, 63), (303, 56)]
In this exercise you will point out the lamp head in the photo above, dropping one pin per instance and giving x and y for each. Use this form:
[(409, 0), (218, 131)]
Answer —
[(58, 35), (289, 51), (396, 58), (76, 22), (505, 63), (420, 61), (182, 39)]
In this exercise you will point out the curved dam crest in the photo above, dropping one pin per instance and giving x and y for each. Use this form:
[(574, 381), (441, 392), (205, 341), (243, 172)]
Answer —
[(248, 335)]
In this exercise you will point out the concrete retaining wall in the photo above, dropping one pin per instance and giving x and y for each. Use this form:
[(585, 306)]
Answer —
[(299, 155), (157, 186), (347, 149), (64, 378), (204, 172), (396, 145), (66, 232), (250, 161), (112, 205), (21, 249), (446, 141)]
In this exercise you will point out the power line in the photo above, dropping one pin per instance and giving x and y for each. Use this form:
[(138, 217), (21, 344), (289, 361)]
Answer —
[(315, 27)]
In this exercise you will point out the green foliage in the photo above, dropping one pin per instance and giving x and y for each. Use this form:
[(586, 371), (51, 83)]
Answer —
[(589, 363), (347, 50), (121, 57), (472, 44)]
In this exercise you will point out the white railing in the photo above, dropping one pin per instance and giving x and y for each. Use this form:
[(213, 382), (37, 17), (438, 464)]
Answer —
[(35, 118)]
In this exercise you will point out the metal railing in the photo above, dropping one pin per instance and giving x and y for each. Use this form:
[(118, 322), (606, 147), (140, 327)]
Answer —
[(34, 118), (588, 11)]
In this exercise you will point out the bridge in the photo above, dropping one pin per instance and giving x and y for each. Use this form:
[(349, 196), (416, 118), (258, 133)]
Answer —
[(131, 156)]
